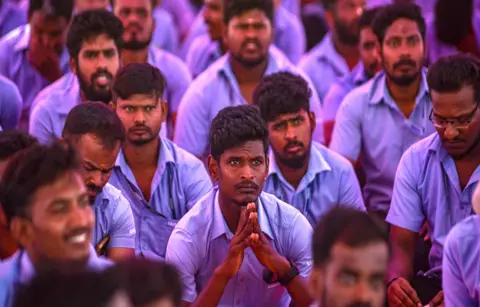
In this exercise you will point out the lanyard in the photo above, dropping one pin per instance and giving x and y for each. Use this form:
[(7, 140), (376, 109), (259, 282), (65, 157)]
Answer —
[(309, 192)]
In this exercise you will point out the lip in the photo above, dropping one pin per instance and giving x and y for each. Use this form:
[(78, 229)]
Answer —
[(293, 149), (453, 145), (80, 244), (246, 189), (139, 130)]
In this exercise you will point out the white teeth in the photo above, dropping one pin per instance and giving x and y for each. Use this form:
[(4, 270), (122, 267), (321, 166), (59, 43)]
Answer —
[(78, 238), (102, 79)]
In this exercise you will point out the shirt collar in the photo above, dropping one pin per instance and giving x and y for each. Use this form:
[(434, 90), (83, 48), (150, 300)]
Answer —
[(220, 226), (358, 74), (380, 93), (24, 39), (436, 146)]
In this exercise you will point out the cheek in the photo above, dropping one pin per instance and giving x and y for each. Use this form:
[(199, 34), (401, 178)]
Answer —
[(114, 65)]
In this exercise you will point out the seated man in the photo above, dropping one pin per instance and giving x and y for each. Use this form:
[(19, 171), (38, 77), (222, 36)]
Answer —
[(461, 259), (34, 55), (436, 178), (239, 245), (11, 142), (350, 260), (232, 79), (97, 133), (161, 180), (46, 204), (302, 172)]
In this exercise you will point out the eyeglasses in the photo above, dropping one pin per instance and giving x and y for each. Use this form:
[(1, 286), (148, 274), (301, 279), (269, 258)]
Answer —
[(457, 123)]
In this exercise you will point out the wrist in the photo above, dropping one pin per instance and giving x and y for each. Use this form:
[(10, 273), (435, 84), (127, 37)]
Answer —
[(392, 281), (283, 266)]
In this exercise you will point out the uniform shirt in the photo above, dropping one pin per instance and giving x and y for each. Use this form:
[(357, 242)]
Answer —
[(15, 66), (370, 124), (461, 262), (113, 218), (18, 270), (10, 104), (330, 181), (216, 89), (11, 17), (201, 240), (179, 182), (324, 65), (165, 36), (427, 186), (182, 13)]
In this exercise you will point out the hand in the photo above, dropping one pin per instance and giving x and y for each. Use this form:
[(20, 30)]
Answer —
[(437, 300), (45, 60), (424, 232), (401, 293), (240, 241)]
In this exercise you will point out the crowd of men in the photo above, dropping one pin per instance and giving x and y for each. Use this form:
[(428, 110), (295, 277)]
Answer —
[(207, 153)]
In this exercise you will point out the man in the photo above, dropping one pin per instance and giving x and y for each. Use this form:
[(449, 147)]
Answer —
[(10, 104), (302, 172), (436, 179), (47, 208), (11, 17), (34, 55), (238, 245), (161, 181), (364, 71), (97, 133), (337, 54), (209, 47), (460, 256), (381, 119), (94, 44), (350, 260), (232, 79), (137, 18), (11, 142)]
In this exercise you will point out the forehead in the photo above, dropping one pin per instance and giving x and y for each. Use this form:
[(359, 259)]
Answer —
[(139, 100), (457, 100), (133, 3), (99, 42), (250, 16), (247, 149), (366, 34), (213, 2), (370, 258), (69, 185), (402, 27), (289, 116), (92, 148), (40, 19)]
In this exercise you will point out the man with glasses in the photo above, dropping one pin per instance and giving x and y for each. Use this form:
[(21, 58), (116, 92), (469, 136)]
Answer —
[(436, 179)]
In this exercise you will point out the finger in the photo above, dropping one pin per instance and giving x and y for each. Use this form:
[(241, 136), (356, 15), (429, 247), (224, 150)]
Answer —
[(437, 300), (427, 238), (256, 225), (394, 301), (248, 229), (254, 239), (243, 220), (409, 291)]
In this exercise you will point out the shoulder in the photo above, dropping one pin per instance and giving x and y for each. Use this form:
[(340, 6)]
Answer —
[(7, 87), (198, 221), (13, 37), (279, 212), (7, 268), (209, 78), (336, 161), (112, 194), (465, 235), (420, 150), (183, 159), (165, 61)]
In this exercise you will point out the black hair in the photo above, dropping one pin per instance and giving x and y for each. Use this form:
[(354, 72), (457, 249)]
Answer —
[(13, 141), (234, 8), (329, 5), (281, 93), (68, 289), (88, 25), (30, 170), (52, 8), (348, 226), (147, 281), (152, 2), (138, 78), (388, 14), (451, 73), (367, 17), (94, 118), (234, 126), (453, 20)]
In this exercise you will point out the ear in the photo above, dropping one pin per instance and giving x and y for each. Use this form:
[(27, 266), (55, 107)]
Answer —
[(267, 164), (213, 168), (329, 18), (316, 283), (73, 66), (22, 231), (313, 121), (112, 105), (164, 106)]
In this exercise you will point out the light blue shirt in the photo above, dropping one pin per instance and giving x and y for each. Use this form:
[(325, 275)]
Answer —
[(340, 89), (165, 35), (179, 182), (218, 88), (461, 264), (182, 13), (19, 270), (11, 17), (113, 218), (324, 65), (370, 124), (427, 187), (201, 240), (202, 54), (198, 27), (330, 181), (10, 104), (15, 66), (287, 29), (292, 6)]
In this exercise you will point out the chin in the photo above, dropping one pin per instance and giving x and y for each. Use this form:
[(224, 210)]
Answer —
[(244, 201)]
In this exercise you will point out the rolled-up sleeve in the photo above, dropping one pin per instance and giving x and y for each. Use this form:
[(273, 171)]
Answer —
[(300, 239), (350, 192), (123, 231)]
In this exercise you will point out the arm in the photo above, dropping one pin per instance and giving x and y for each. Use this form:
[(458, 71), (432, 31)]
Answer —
[(350, 192), (331, 103), (122, 234), (41, 125), (198, 183), (11, 105), (178, 83)]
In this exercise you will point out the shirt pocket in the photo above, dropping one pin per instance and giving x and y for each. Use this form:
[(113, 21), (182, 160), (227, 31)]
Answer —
[(162, 230)]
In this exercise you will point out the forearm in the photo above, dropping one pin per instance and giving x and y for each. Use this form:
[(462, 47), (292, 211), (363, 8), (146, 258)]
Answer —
[(297, 289), (211, 295), (401, 264)]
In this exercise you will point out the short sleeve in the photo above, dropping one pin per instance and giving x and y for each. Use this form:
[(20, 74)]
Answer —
[(41, 125), (10, 105), (350, 192), (332, 101), (300, 238), (123, 233), (198, 182)]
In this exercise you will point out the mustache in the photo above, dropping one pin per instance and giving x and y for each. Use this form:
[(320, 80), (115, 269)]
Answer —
[(138, 127), (407, 62), (246, 184), (134, 25), (254, 41), (100, 72), (94, 188), (293, 144)]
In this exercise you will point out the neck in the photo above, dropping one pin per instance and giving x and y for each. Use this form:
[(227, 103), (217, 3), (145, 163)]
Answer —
[(223, 48), (230, 211), (248, 74), (293, 175), (139, 157), (349, 53), (134, 56), (404, 94), (44, 265)]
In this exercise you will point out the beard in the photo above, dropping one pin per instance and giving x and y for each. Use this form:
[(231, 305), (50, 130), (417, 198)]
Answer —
[(249, 63), (295, 162), (345, 35), (88, 88), (404, 80), (136, 45)]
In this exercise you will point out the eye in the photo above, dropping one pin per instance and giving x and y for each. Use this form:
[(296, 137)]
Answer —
[(149, 108), (257, 162), (128, 109), (348, 279), (59, 208), (234, 162)]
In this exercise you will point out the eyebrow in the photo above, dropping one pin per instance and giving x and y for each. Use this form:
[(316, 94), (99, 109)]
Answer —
[(90, 164)]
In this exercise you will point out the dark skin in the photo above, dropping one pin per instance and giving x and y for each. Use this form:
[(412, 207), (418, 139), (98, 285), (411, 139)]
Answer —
[(463, 146), (247, 163)]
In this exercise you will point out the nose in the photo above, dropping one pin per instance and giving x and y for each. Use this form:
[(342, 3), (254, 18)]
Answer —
[(290, 133), (363, 293), (95, 177), (451, 132), (139, 117), (359, 10), (247, 173), (47, 41)]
